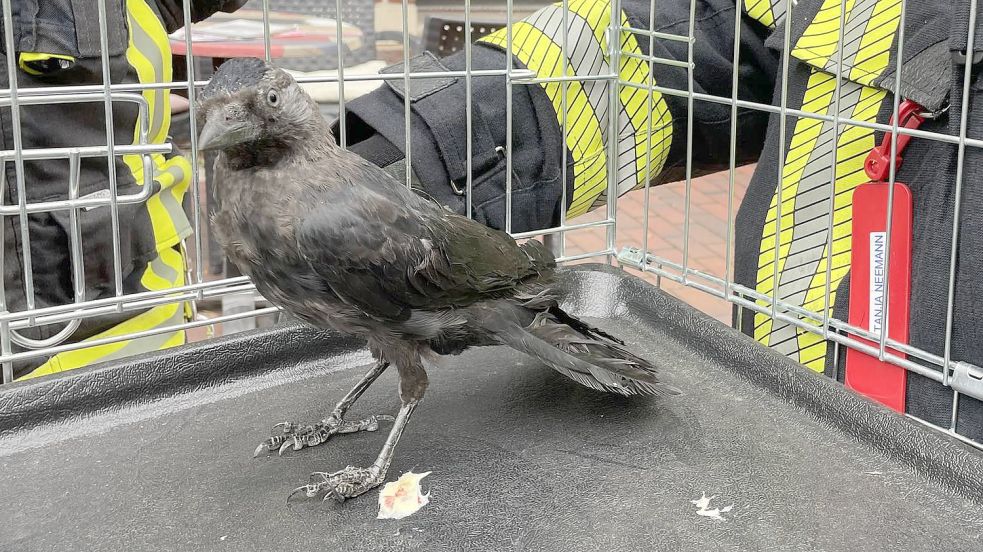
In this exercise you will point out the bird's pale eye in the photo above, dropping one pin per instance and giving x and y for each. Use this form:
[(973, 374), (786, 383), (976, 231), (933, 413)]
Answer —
[(273, 97)]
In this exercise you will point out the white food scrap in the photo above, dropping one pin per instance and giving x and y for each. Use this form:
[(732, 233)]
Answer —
[(703, 501), (402, 497), (703, 507)]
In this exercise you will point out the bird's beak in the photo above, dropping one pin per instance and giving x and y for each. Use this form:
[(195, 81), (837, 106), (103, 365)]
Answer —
[(219, 133)]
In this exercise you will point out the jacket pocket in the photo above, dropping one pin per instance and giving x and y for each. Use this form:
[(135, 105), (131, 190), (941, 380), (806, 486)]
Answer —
[(68, 28)]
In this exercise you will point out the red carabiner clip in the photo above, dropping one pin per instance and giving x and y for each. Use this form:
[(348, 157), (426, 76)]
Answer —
[(878, 163)]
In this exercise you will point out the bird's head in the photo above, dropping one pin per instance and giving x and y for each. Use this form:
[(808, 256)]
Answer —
[(250, 104)]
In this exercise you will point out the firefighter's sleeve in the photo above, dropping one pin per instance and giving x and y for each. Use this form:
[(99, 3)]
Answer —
[(548, 123)]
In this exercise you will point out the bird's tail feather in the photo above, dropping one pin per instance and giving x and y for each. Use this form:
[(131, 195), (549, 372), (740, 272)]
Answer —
[(590, 331), (585, 354)]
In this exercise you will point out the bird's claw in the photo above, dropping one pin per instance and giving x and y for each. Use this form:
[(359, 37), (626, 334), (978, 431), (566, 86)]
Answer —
[(340, 485), (332, 493), (285, 426), (287, 443), (310, 490), (297, 436), (259, 449)]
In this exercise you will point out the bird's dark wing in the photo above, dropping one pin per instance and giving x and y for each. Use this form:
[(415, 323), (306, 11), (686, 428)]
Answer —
[(385, 250)]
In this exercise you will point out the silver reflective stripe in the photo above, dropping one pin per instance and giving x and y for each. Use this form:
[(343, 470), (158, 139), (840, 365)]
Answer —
[(853, 32), (145, 44), (162, 269), (174, 210)]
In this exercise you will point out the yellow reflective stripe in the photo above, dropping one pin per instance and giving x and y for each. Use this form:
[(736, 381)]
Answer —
[(189, 306), (868, 34), (820, 38), (769, 13), (584, 136), (28, 57), (818, 97), (536, 43), (590, 192), (760, 10), (162, 316), (640, 148), (875, 46), (24, 59), (164, 272)]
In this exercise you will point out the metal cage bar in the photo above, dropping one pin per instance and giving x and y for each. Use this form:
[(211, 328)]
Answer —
[(193, 131), (957, 211), (110, 157), (831, 213)]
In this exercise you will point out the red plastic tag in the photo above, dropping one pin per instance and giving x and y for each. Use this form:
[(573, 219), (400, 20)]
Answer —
[(869, 272)]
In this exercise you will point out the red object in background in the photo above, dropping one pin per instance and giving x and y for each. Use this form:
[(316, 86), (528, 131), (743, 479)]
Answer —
[(240, 34), (873, 267)]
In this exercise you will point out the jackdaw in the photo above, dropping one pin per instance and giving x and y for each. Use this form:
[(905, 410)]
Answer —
[(338, 243)]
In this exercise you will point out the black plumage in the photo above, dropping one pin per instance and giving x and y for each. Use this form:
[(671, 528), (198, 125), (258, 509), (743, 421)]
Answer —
[(337, 242)]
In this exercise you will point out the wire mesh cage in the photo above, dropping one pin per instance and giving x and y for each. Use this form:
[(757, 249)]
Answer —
[(643, 112)]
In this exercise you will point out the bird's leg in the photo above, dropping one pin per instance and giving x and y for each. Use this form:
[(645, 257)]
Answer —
[(298, 436), (351, 481)]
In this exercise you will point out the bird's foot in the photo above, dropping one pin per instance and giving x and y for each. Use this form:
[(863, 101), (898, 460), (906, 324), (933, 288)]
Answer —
[(343, 484), (297, 436)]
